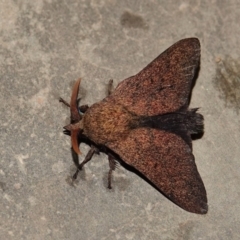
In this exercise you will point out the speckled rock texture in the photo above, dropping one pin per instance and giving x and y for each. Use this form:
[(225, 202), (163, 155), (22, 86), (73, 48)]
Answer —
[(44, 47)]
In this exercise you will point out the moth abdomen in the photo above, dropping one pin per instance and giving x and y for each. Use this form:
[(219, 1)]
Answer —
[(194, 121), (188, 121)]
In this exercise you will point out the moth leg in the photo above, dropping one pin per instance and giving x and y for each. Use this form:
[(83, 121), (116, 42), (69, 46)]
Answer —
[(110, 87), (112, 166), (64, 102), (87, 159)]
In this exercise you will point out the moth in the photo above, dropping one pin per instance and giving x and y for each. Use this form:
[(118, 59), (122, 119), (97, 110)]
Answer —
[(146, 122)]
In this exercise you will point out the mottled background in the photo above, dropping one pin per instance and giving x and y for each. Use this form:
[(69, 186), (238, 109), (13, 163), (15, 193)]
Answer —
[(45, 45)]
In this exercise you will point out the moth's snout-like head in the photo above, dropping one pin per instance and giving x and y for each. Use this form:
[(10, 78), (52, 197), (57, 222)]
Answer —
[(76, 119), (74, 126), (75, 130)]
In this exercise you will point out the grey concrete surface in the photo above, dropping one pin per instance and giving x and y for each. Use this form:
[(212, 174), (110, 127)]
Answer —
[(44, 47)]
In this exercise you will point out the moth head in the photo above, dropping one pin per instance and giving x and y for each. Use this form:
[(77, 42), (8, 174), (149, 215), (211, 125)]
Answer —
[(76, 126)]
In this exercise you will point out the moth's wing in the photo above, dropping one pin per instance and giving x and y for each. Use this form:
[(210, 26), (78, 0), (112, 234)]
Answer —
[(167, 161), (164, 85)]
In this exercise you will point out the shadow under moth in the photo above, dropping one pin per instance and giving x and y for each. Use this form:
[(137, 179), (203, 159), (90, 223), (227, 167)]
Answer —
[(146, 123)]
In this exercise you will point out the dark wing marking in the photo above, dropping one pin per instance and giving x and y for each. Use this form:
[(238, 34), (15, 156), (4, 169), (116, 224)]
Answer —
[(164, 85), (167, 161)]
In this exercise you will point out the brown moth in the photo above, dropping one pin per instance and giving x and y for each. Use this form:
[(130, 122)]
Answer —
[(146, 122)]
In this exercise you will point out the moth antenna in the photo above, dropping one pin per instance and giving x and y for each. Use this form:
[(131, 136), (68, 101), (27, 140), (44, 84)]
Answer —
[(64, 102), (78, 101), (75, 116)]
